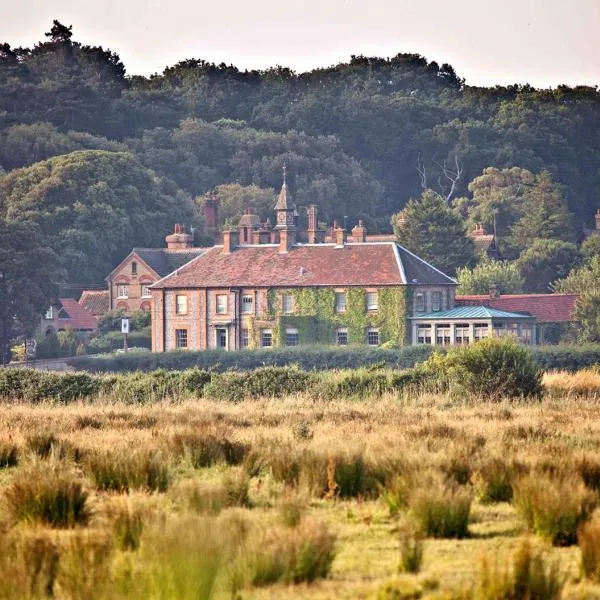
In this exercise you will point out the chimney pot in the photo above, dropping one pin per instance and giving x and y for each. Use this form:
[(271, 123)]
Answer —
[(230, 241), (494, 292)]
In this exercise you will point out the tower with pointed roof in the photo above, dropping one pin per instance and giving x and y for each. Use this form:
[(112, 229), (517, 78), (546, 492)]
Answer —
[(285, 217)]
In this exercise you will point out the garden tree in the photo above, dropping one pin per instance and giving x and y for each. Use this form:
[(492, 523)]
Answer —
[(587, 317), (28, 271), (590, 247), (92, 206), (545, 261), (503, 274), (519, 206), (435, 232), (235, 198)]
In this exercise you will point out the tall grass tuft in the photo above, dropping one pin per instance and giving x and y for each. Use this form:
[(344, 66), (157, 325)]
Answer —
[(49, 494), (206, 447), (554, 508), (527, 578), (143, 470), (128, 526), (9, 454), (442, 509), (588, 538), (494, 479), (411, 547)]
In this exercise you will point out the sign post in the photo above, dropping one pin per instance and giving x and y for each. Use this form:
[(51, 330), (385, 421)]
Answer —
[(125, 331)]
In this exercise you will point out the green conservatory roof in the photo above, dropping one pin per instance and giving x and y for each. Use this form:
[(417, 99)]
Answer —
[(472, 312)]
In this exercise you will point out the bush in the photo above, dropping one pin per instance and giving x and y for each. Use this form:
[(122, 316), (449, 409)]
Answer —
[(113, 340), (442, 510), (492, 369), (121, 472), (528, 578), (554, 508), (48, 494)]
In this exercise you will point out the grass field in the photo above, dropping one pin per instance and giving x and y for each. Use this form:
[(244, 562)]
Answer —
[(292, 497)]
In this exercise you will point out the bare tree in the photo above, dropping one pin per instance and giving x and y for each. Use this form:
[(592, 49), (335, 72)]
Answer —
[(452, 174), (422, 171)]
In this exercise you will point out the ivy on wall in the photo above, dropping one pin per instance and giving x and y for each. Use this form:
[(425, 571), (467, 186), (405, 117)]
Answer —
[(316, 319)]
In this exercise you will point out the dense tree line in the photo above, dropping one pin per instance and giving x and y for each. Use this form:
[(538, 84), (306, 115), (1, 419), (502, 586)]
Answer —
[(98, 161)]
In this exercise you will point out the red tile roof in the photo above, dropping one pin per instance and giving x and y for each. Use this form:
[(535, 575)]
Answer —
[(95, 302), (80, 317), (546, 308)]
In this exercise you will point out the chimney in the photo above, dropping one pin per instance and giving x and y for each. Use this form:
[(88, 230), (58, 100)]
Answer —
[(313, 223), (178, 240), (287, 238), (494, 291), (211, 216), (359, 233), (598, 220), (230, 241), (340, 236)]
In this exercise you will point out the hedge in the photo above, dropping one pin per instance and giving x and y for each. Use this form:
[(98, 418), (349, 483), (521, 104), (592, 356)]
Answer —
[(319, 358)]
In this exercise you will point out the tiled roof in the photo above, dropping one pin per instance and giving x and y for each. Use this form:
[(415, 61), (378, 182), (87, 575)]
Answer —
[(163, 261), (79, 317), (472, 312), (377, 264), (95, 302), (546, 308)]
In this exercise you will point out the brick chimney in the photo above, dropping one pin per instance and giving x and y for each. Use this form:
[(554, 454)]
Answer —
[(359, 233), (313, 224), (287, 238), (339, 234), (211, 216), (231, 239), (178, 240), (478, 231), (494, 291)]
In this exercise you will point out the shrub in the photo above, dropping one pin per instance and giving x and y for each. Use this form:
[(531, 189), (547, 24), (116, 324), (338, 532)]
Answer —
[(492, 369), (588, 538), (442, 510), (292, 555), (48, 494), (121, 472), (554, 508), (528, 578), (208, 446), (411, 548)]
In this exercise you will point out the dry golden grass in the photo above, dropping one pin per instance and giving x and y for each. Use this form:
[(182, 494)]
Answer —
[(297, 459)]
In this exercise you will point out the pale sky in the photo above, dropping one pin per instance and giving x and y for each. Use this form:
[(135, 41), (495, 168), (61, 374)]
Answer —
[(541, 42)]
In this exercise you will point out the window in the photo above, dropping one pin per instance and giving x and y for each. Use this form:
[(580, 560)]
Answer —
[(461, 334), (342, 336), (423, 334), (442, 335), (499, 329), (221, 337), (340, 302), (480, 331), (247, 304), (180, 304), (146, 291), (122, 291), (221, 304), (526, 337), (291, 337), (372, 300), (266, 338), (245, 338), (134, 268), (373, 337), (181, 339), (420, 302), (49, 314), (436, 301), (287, 303)]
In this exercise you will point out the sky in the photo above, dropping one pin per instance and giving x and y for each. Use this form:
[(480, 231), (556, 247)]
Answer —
[(541, 42)]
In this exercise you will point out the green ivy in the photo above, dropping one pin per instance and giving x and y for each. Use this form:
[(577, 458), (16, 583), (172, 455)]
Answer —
[(316, 320)]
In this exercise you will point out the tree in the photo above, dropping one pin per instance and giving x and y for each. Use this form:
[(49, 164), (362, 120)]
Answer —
[(546, 261), (504, 275), (587, 317), (28, 272), (591, 247), (429, 228)]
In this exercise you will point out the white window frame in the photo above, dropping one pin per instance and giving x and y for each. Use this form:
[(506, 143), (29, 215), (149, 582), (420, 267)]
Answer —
[(264, 332), (248, 302), (178, 339), (424, 334), (292, 331), (146, 293), (49, 314), (372, 331), (420, 306), (221, 309), (443, 332), (341, 331), (373, 300), (181, 304), (122, 290), (287, 304), (340, 302), (245, 338)]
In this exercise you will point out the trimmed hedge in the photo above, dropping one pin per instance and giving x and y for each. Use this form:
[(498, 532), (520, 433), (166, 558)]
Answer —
[(319, 358)]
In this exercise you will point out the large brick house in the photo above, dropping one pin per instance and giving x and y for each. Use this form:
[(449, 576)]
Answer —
[(129, 283), (263, 288)]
